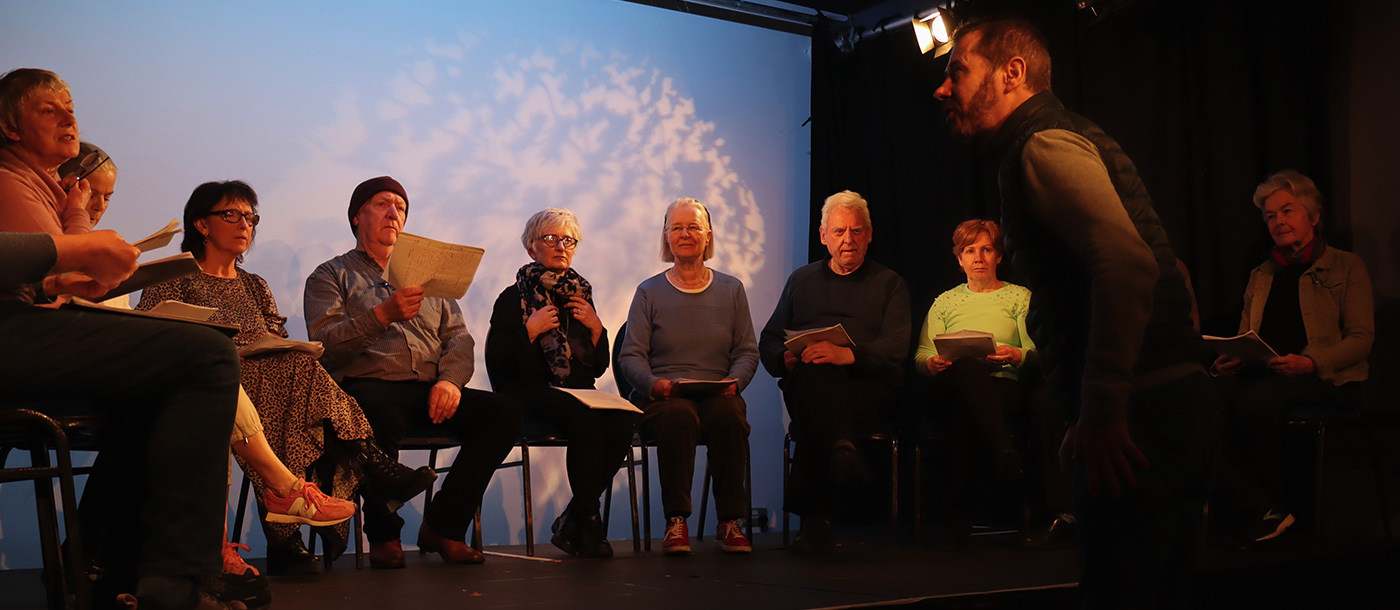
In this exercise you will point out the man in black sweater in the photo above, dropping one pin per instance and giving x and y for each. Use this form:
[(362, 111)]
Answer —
[(832, 390), (1110, 312)]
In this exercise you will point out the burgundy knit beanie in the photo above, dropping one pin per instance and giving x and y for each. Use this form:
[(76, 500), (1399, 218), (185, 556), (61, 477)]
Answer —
[(370, 188)]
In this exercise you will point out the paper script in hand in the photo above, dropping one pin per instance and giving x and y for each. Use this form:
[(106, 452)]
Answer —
[(272, 343), (696, 387), (965, 344), (798, 340), (177, 309), (159, 239), (1248, 347), (598, 399), (442, 269), (155, 272)]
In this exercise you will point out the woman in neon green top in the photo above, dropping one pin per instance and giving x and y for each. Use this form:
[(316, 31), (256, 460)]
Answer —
[(980, 392)]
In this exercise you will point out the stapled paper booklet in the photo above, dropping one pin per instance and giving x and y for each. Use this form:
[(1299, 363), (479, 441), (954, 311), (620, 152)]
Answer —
[(442, 269), (1247, 347), (965, 344), (155, 272), (798, 340)]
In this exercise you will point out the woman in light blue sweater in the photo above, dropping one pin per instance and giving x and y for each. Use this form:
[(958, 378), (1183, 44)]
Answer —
[(691, 323)]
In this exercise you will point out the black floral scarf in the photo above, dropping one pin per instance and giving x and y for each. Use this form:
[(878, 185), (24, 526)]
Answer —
[(539, 288)]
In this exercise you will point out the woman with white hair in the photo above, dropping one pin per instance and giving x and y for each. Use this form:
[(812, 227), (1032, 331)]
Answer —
[(545, 335), (691, 322), (39, 132), (1312, 303)]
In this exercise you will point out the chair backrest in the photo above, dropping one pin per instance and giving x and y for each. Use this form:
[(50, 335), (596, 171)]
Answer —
[(624, 388)]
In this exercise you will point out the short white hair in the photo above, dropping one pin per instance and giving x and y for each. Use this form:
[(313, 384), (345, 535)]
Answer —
[(1300, 186), (549, 217), (846, 200), (686, 202)]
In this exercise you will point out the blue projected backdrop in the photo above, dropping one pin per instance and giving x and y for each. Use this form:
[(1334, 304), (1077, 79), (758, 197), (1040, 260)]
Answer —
[(486, 111)]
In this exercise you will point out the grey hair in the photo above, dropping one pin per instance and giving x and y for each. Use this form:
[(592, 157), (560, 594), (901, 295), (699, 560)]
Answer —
[(1297, 184), (549, 217), (846, 200), (15, 88), (686, 202)]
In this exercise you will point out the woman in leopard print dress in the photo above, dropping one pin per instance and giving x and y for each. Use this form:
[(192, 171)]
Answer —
[(314, 427)]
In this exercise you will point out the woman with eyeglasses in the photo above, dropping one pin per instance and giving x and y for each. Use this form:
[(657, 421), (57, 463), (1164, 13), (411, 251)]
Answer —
[(38, 132), (313, 427), (692, 323), (94, 165), (545, 335)]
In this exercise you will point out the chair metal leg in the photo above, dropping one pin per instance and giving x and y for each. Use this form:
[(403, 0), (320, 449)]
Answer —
[(704, 499), (787, 468), (77, 566), (646, 498), (242, 511), (49, 545), (632, 497), (525, 487), (894, 484), (748, 493), (1318, 480)]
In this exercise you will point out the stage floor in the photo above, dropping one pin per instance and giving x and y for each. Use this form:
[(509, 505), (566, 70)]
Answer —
[(870, 568)]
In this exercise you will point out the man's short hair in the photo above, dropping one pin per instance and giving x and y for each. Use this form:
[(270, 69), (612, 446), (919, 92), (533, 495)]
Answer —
[(15, 88), (1003, 39), (846, 200), (1300, 186)]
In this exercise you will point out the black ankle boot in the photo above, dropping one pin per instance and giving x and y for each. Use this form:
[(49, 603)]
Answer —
[(291, 558), (565, 531), (592, 539), (386, 480)]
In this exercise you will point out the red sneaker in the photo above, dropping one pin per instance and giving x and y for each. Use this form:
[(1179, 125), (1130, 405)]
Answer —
[(306, 504), (233, 562), (731, 537), (677, 540)]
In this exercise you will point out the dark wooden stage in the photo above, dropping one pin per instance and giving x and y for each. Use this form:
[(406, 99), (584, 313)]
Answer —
[(870, 569)]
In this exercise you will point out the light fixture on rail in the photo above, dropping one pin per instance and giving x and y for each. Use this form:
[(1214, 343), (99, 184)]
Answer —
[(934, 31)]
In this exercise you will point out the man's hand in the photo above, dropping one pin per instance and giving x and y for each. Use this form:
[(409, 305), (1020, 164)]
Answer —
[(937, 364), (789, 360), (661, 389), (732, 389), (1226, 365), (1108, 453), (443, 400), (1292, 365), (542, 321), (402, 306), (1007, 354), (75, 283), (102, 256), (583, 312), (826, 352)]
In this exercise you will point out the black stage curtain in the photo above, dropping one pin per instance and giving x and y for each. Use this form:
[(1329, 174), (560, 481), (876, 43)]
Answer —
[(1206, 97)]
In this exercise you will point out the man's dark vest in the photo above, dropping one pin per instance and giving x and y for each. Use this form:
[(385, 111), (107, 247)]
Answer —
[(1060, 289)]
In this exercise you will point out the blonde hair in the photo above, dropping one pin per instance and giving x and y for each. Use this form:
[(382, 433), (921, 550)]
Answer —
[(549, 217), (686, 202), (15, 87)]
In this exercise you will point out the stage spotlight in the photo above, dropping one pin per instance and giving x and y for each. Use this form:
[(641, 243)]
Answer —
[(934, 31)]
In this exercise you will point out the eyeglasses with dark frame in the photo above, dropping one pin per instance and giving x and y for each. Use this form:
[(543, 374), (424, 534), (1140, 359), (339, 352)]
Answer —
[(89, 164), (550, 240), (233, 216)]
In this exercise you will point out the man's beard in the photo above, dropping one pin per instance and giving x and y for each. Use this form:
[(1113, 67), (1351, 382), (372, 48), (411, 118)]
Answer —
[(966, 120)]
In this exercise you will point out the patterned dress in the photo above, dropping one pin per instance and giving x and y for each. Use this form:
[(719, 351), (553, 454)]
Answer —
[(293, 393)]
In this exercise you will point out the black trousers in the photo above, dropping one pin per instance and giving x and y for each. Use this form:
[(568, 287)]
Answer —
[(1138, 550), (827, 404), (598, 440), (978, 406), (488, 425), (679, 425), (174, 387), (1254, 406)]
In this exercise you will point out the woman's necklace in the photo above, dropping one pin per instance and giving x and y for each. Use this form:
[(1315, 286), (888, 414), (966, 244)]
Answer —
[(697, 283)]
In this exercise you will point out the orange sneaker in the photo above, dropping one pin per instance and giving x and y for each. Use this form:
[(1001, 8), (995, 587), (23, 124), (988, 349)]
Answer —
[(233, 562), (306, 504)]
